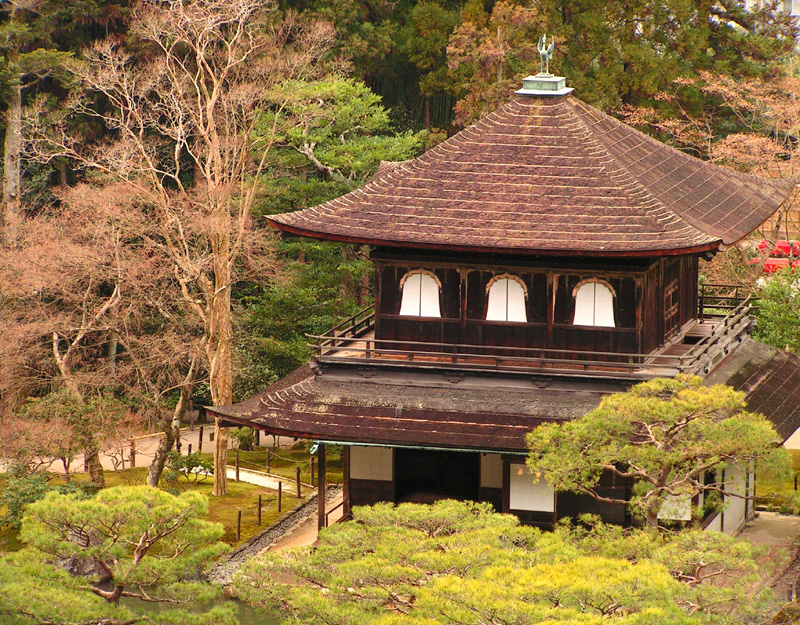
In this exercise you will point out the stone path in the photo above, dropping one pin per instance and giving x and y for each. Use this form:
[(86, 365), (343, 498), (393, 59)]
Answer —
[(305, 532), (780, 536), (297, 528), (266, 480)]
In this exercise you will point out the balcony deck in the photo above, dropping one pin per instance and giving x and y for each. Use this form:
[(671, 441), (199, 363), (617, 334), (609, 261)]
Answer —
[(694, 349)]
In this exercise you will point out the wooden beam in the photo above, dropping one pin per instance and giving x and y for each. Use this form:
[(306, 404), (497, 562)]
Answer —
[(321, 486)]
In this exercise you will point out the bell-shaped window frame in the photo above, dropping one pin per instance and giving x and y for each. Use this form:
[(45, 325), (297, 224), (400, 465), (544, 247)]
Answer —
[(421, 293), (507, 299), (594, 304)]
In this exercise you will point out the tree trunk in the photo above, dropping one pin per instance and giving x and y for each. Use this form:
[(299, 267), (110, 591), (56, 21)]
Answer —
[(92, 456), (500, 55), (651, 517), (219, 348), (67, 475), (173, 430), (427, 112), (363, 291), (63, 177), (10, 214), (346, 285), (111, 354), (164, 445)]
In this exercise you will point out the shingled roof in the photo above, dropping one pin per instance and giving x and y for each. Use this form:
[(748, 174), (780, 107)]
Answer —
[(383, 411), (770, 378), (548, 175)]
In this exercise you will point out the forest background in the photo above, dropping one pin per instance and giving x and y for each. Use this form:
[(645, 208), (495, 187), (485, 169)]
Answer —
[(136, 270)]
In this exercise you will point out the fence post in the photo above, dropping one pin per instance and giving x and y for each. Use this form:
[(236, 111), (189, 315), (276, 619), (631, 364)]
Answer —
[(259, 510), (280, 495), (298, 482), (269, 451), (322, 520), (312, 471), (237, 465), (239, 526), (200, 441), (133, 453)]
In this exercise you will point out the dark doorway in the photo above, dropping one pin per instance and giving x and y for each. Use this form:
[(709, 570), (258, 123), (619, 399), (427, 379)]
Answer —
[(423, 476)]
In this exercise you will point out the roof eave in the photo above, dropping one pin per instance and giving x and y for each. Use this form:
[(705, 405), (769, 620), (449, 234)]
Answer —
[(326, 236)]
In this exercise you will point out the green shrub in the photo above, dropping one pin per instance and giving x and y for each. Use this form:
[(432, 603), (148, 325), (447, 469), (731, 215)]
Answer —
[(22, 488), (194, 467), (244, 437)]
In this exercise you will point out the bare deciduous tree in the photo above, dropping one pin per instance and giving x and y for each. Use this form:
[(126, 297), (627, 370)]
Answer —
[(185, 142)]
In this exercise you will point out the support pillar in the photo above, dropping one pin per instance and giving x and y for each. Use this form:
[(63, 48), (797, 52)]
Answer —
[(321, 486), (346, 481)]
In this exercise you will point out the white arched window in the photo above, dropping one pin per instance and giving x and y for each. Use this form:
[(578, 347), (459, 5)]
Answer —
[(420, 294), (507, 295), (594, 304)]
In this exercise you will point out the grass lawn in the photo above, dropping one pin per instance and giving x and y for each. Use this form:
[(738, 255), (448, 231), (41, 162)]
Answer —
[(241, 496)]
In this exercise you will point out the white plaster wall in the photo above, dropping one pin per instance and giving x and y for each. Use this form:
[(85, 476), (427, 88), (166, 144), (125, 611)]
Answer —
[(734, 506), (716, 523), (676, 509), (793, 442), (525, 495), (371, 463), (491, 471)]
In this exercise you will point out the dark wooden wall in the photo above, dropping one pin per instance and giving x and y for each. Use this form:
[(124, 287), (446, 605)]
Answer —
[(639, 304)]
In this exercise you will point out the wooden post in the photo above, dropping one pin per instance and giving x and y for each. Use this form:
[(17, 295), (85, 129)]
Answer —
[(239, 526), (321, 487), (190, 448), (237, 465), (312, 471), (269, 451), (280, 495), (133, 453), (298, 481), (200, 441), (259, 510), (258, 438), (346, 481)]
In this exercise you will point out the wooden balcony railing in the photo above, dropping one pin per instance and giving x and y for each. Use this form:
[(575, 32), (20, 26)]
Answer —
[(351, 342)]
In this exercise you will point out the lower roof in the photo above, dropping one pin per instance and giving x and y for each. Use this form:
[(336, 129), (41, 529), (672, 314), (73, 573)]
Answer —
[(356, 406), (406, 410), (769, 377)]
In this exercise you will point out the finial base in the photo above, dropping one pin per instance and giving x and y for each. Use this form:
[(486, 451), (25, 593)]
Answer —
[(544, 84)]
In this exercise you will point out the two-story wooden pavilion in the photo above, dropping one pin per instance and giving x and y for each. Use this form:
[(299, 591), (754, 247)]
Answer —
[(526, 266)]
